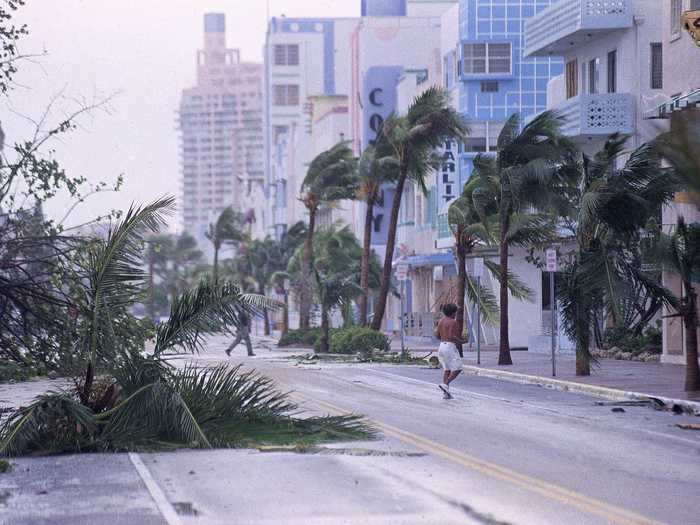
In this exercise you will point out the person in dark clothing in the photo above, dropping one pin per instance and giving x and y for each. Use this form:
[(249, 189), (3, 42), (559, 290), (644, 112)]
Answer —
[(243, 334)]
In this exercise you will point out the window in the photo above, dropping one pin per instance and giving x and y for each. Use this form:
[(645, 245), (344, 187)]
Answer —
[(499, 58), (489, 86), (474, 58), (475, 145), (286, 54), (571, 78), (676, 12), (285, 95), (479, 59), (593, 73), (584, 84), (694, 5), (612, 71), (657, 68)]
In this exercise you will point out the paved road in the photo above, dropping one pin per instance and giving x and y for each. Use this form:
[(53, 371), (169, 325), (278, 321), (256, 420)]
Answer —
[(499, 453)]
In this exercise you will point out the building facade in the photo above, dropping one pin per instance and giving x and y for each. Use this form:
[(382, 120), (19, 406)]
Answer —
[(221, 130), (682, 90), (489, 78), (304, 58)]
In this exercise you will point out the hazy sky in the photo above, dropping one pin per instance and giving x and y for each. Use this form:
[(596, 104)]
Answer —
[(143, 50)]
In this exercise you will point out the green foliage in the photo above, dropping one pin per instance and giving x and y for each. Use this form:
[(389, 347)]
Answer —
[(358, 340), (168, 407), (9, 36), (303, 338), (630, 342), (10, 371), (5, 466)]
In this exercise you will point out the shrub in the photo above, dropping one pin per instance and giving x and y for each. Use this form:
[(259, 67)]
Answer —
[(625, 340), (10, 371), (358, 339), (300, 337)]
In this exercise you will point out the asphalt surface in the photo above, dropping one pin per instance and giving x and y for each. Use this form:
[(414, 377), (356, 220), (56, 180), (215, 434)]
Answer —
[(499, 453)]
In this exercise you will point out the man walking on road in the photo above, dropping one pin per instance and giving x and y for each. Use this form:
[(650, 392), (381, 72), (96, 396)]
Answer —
[(449, 334), (243, 334)]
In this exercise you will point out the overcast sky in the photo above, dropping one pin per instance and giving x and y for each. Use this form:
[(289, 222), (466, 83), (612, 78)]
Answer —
[(143, 50)]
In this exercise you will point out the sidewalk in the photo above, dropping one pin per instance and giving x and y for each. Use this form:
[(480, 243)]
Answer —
[(625, 378)]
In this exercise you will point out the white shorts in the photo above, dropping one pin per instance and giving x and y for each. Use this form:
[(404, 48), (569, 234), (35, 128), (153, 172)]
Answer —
[(449, 357)]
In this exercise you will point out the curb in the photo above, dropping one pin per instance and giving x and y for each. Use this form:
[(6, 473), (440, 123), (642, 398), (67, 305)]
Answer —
[(613, 394)]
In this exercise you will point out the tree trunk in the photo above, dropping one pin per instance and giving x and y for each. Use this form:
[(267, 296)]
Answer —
[(366, 253), (285, 313), (389, 257), (583, 339), (504, 357), (690, 320), (216, 264), (325, 331), (151, 291), (461, 287), (305, 290)]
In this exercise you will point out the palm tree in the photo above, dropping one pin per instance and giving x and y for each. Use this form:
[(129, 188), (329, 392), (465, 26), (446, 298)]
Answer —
[(473, 226), (522, 177), (679, 253), (680, 148), (331, 177), (226, 230), (613, 206), (288, 244), (336, 270), (158, 253), (257, 261), (377, 167), (413, 139)]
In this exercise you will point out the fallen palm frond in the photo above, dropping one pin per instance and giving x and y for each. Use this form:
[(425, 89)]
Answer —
[(191, 407)]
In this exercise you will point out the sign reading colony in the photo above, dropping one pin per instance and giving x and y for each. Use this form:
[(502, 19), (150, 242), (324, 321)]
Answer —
[(447, 183), (379, 101)]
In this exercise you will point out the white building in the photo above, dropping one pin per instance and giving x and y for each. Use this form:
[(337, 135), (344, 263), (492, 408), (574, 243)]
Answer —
[(220, 123), (304, 58), (681, 85), (613, 54)]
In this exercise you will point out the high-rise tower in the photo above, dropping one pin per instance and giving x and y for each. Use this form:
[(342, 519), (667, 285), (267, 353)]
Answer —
[(220, 121)]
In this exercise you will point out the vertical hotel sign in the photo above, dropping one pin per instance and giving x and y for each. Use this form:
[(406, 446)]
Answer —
[(379, 99), (448, 177)]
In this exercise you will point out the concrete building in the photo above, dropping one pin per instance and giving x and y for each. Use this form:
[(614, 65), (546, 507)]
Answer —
[(489, 78), (614, 66), (681, 85), (220, 121), (304, 58)]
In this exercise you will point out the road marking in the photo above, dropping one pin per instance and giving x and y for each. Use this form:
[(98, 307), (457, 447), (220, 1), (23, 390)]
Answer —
[(684, 441), (164, 507), (611, 513)]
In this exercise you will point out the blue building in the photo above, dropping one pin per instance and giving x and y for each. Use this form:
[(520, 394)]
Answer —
[(491, 77)]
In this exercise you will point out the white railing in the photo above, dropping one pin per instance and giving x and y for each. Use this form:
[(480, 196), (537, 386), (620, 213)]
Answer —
[(600, 114), (552, 28)]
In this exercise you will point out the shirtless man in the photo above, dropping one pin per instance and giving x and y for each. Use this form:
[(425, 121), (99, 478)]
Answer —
[(450, 336)]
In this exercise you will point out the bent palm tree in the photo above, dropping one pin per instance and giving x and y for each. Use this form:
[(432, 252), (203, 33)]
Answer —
[(226, 230), (413, 139), (521, 177), (331, 177), (679, 253), (613, 207), (376, 168)]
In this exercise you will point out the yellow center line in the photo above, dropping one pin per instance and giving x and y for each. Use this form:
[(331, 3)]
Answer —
[(612, 514)]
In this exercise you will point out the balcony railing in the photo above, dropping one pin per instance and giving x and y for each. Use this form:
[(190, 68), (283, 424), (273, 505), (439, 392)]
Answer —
[(569, 23), (597, 115)]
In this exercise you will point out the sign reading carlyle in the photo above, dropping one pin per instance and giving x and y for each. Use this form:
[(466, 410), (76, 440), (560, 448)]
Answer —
[(447, 176)]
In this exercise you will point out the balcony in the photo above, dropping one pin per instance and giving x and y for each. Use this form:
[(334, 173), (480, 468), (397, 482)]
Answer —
[(597, 116), (570, 23)]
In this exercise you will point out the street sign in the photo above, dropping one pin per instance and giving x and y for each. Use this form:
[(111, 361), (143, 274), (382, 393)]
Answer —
[(478, 267), (402, 272), (552, 264)]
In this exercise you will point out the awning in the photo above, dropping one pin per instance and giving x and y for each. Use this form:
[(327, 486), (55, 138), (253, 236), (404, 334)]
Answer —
[(688, 100), (430, 260)]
